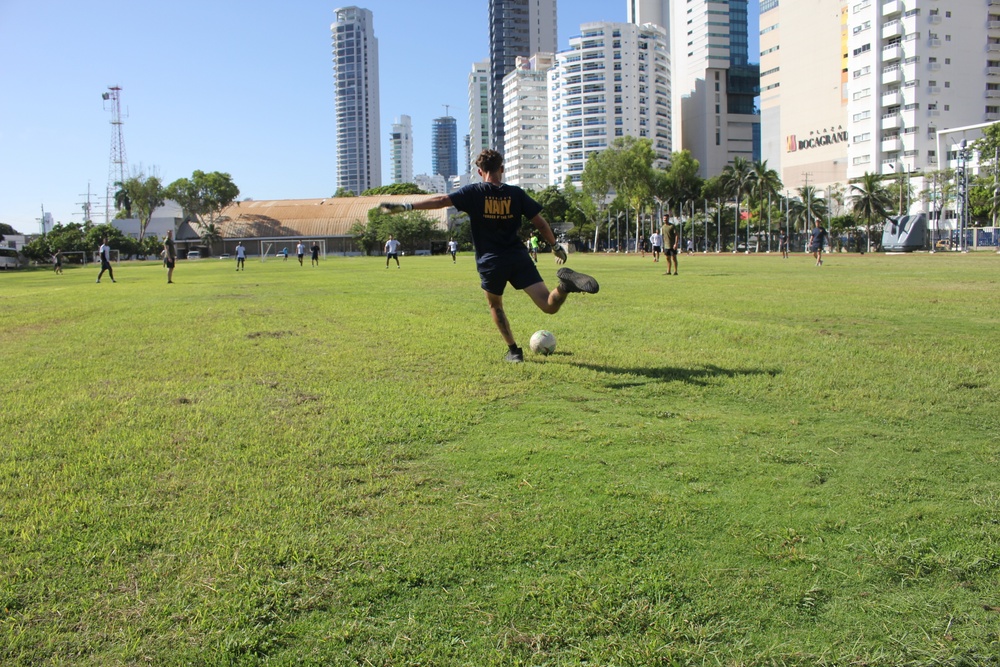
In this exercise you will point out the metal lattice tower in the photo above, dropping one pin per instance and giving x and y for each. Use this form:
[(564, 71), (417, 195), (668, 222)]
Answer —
[(118, 165)]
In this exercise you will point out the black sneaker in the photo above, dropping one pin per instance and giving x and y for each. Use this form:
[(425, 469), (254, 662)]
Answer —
[(571, 281), (515, 357)]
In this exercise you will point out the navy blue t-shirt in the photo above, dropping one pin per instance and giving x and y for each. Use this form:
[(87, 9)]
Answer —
[(495, 213)]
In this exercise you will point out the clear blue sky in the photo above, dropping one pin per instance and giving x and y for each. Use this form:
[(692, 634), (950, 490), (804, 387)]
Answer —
[(239, 86)]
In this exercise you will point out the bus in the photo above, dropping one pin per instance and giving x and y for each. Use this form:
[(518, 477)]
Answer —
[(9, 258)]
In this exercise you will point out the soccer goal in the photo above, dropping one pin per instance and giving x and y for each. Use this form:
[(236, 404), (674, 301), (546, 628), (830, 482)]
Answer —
[(68, 253), (115, 256), (275, 248)]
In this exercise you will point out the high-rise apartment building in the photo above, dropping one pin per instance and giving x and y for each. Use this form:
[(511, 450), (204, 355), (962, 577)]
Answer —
[(402, 150), (479, 113), (355, 75), (444, 147), (803, 90), (526, 122), (916, 67), (517, 28), (716, 82), (613, 81), (656, 12)]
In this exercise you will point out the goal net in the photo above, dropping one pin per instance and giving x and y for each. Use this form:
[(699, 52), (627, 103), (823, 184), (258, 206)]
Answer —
[(115, 256), (277, 248), (75, 257)]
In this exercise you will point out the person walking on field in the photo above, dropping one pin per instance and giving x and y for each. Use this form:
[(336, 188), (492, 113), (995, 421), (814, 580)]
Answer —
[(169, 255), (533, 241), (57, 261), (495, 212), (105, 253), (315, 254), (817, 241), (241, 257), (656, 241), (300, 250), (783, 244), (670, 240), (392, 251), (452, 248)]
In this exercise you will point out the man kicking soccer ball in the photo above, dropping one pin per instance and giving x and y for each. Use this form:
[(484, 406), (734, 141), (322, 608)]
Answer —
[(495, 210)]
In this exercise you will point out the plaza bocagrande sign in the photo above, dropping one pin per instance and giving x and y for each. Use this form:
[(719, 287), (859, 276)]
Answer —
[(817, 139)]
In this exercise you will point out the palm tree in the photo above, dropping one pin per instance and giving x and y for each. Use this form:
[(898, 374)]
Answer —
[(210, 235), (123, 202), (765, 185), (807, 207), (871, 202), (736, 176)]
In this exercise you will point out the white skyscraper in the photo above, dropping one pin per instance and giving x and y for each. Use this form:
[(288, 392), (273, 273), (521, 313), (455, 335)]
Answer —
[(402, 150), (355, 74), (479, 113), (917, 67), (613, 81), (526, 122)]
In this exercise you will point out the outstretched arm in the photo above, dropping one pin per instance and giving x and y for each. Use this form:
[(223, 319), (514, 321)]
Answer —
[(438, 201), (542, 225)]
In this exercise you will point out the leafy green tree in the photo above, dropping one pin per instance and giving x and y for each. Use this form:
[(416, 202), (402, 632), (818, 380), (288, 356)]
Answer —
[(343, 192), (625, 168), (94, 236), (805, 208), (204, 195), (988, 145), (582, 213), (394, 189), (414, 230), (683, 181), (144, 194), (871, 202), (7, 230)]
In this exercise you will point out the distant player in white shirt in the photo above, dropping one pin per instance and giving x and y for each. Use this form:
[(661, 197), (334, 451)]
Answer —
[(391, 251), (300, 250), (105, 253), (452, 248), (241, 257), (656, 240)]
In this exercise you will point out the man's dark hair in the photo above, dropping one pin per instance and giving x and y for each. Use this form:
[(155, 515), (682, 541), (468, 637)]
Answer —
[(490, 161)]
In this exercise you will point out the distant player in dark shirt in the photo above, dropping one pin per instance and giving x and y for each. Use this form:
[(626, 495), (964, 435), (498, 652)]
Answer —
[(817, 241), (495, 211)]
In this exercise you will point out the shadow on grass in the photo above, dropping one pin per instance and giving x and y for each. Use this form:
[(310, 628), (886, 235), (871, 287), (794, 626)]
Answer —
[(698, 376)]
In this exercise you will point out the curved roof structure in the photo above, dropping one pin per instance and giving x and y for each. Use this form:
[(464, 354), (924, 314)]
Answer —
[(311, 218)]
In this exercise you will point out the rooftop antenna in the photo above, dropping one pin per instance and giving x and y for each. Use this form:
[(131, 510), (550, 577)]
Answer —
[(119, 163), (446, 107)]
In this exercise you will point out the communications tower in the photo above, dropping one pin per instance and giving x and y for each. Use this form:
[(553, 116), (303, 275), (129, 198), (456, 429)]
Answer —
[(118, 164)]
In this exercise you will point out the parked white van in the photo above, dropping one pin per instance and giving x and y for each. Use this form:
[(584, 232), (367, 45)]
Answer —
[(9, 259)]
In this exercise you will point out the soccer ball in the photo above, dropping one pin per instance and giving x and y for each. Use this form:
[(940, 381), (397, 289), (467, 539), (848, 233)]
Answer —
[(542, 342)]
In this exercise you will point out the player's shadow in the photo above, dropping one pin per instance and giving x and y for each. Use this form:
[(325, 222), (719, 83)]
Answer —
[(698, 376)]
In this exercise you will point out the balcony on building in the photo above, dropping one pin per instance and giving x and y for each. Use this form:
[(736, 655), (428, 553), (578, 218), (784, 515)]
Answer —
[(993, 47), (892, 29), (934, 42), (934, 90), (993, 24), (892, 7), (892, 145), (892, 74), (893, 99), (993, 71), (892, 52), (992, 116), (992, 94), (891, 120)]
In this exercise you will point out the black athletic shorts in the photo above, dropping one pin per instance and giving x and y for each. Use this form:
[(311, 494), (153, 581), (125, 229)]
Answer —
[(656, 248), (169, 263), (516, 268), (670, 252)]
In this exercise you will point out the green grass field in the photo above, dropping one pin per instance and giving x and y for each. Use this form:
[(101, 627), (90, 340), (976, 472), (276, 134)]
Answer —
[(756, 462)]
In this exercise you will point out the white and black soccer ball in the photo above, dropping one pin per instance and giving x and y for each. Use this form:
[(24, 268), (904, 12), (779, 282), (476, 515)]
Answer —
[(542, 342)]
